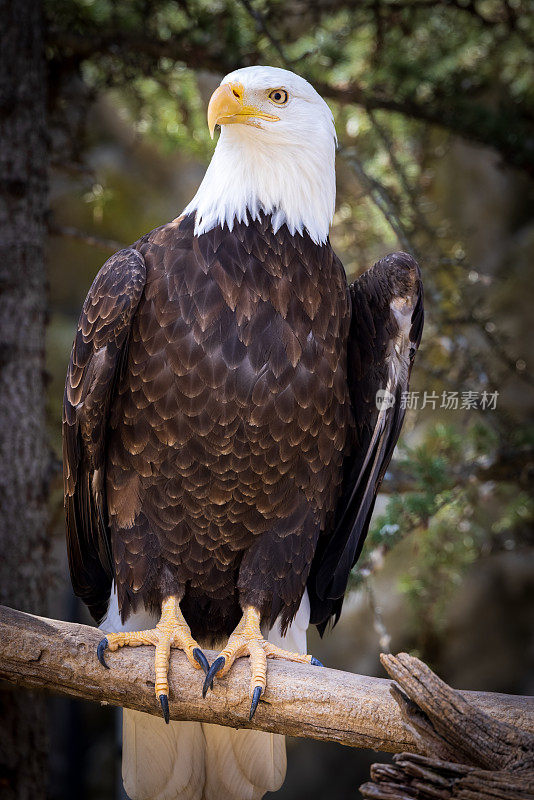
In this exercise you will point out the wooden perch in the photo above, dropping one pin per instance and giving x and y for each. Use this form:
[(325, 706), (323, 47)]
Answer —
[(470, 755), (420, 777), (300, 700)]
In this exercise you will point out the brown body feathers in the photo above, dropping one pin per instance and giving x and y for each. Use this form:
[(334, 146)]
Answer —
[(221, 437)]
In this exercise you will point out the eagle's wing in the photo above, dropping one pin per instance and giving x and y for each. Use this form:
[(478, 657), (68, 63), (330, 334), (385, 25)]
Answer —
[(385, 331), (98, 353)]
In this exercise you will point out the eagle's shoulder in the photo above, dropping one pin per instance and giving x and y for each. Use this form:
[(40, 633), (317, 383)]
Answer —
[(166, 251), (180, 229)]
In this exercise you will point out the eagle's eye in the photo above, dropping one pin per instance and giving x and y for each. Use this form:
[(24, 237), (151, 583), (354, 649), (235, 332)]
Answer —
[(279, 96)]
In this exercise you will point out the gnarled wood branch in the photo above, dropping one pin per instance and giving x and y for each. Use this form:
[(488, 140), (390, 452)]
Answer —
[(470, 754), (300, 700), (430, 779)]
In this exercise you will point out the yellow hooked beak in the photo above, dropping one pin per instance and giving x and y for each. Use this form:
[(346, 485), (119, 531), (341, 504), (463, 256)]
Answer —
[(226, 107)]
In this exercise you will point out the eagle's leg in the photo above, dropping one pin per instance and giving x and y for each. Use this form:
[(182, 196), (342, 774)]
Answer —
[(171, 631), (247, 640)]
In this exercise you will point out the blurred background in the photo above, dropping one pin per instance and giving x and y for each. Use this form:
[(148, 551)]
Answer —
[(433, 101)]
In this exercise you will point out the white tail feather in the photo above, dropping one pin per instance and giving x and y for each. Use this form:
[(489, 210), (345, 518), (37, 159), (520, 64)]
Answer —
[(197, 761), (159, 761), (241, 764)]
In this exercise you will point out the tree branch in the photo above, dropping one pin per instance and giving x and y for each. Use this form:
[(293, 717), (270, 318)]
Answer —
[(496, 758), (68, 232), (515, 464), (450, 725), (180, 47), (316, 703), (416, 776), (263, 28), (471, 120), (474, 121), (380, 197)]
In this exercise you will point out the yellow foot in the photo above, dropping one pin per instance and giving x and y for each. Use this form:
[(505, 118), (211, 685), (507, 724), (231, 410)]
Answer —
[(247, 640), (171, 631)]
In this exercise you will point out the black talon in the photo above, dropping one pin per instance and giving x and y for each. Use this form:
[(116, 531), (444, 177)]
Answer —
[(164, 700), (199, 656), (255, 700), (213, 670), (103, 643), (315, 662)]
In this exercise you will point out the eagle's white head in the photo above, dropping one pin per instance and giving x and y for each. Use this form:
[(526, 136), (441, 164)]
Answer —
[(275, 154)]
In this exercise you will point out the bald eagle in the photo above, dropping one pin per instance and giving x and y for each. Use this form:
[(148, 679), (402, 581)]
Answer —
[(223, 443)]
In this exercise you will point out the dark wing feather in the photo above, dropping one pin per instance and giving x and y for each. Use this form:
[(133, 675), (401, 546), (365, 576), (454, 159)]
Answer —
[(98, 353), (385, 331)]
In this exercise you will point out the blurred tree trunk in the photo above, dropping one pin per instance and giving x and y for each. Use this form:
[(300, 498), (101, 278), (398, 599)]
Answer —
[(24, 461)]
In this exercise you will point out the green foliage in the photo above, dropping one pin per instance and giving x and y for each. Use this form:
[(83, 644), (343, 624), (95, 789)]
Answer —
[(168, 110), (466, 67), (443, 552), (432, 467), (451, 516)]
